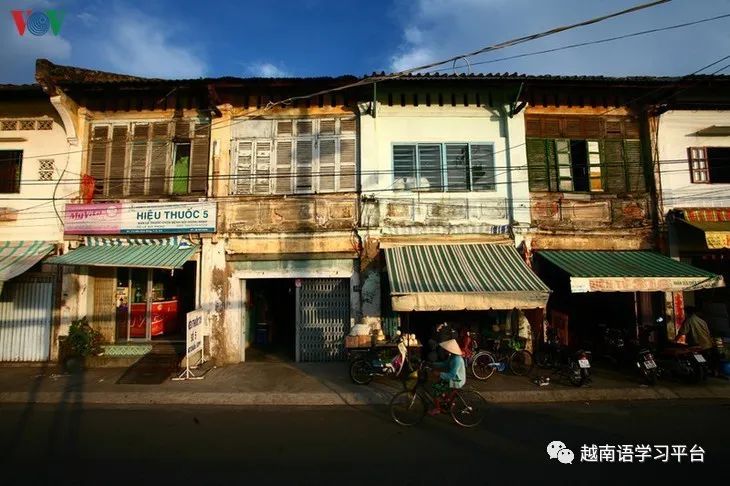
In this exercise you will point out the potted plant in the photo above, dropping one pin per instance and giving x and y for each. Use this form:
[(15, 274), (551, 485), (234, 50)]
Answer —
[(82, 341)]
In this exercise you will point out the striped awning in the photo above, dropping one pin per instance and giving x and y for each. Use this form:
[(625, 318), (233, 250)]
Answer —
[(462, 277), (628, 271), (713, 222), (17, 257), (130, 252)]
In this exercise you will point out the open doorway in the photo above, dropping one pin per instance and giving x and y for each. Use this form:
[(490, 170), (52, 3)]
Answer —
[(271, 320)]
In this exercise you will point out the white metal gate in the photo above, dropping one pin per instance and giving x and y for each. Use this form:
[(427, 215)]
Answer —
[(26, 308), (323, 320)]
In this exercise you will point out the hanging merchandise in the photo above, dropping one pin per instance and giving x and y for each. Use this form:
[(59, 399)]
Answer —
[(87, 188)]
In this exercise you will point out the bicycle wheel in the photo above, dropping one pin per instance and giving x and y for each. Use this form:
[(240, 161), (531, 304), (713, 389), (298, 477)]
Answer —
[(521, 362), (407, 408), (483, 365), (468, 408), (360, 372)]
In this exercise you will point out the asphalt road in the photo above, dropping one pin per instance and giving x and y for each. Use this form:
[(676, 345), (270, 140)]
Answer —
[(341, 445)]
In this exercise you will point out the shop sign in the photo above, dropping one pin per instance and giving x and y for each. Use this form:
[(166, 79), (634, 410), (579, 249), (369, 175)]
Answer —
[(194, 331), (140, 218), (640, 284)]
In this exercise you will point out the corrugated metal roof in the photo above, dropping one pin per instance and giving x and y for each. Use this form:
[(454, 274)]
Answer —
[(143, 256), (583, 263), (17, 257), (553, 77)]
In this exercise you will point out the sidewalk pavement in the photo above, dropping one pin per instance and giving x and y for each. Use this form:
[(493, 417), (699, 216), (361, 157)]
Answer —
[(309, 384)]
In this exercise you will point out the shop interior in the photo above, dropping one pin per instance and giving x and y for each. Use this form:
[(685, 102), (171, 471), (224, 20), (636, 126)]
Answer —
[(271, 319), (152, 304)]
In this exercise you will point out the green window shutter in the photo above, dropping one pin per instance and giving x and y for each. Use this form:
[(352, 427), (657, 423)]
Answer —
[(612, 158), (635, 174), (483, 177), (537, 164)]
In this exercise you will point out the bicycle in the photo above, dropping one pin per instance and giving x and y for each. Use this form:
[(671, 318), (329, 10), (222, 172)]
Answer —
[(505, 353), (466, 407)]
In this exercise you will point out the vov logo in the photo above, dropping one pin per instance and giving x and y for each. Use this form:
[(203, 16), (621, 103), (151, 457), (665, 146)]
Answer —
[(38, 23)]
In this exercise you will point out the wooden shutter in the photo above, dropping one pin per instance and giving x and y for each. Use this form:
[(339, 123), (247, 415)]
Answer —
[(283, 180), (98, 151), (327, 150), (244, 167), (699, 168), (537, 164), (348, 163), (262, 166), (158, 159), (284, 128), (182, 130), (304, 165), (327, 127), (199, 158), (138, 159), (117, 163), (104, 318), (634, 166), (612, 158), (304, 127), (565, 165), (348, 125)]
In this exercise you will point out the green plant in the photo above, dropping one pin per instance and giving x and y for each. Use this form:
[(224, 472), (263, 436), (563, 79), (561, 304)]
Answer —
[(83, 340)]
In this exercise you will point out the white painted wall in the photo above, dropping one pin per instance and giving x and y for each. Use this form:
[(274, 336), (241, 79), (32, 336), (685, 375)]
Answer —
[(675, 136), (409, 124), (36, 218)]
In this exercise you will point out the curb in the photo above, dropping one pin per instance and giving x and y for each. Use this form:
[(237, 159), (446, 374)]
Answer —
[(369, 397)]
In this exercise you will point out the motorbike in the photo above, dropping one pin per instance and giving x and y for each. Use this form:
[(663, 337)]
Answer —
[(366, 365), (610, 345), (574, 365), (680, 361)]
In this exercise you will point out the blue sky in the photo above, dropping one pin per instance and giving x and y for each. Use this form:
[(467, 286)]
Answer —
[(185, 38)]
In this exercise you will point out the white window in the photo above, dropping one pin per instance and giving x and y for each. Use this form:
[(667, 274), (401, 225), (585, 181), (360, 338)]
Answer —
[(302, 156)]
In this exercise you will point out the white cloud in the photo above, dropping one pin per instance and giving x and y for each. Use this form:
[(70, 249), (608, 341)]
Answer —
[(142, 45), (266, 70), (433, 30), (87, 18)]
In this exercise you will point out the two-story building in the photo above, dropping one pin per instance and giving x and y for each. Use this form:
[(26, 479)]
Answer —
[(593, 204), (444, 199), (39, 172), (285, 264), (691, 142), (133, 261)]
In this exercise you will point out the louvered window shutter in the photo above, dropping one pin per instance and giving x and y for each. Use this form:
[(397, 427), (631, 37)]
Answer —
[(138, 159), (283, 180), (457, 166), (98, 157), (262, 166), (117, 163), (537, 164), (244, 167), (199, 158), (158, 159), (612, 158), (327, 149), (634, 167), (483, 177), (304, 165), (348, 162)]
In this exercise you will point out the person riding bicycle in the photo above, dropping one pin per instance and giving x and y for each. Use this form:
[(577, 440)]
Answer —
[(454, 375)]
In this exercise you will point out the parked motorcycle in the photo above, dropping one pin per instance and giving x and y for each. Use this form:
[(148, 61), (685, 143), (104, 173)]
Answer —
[(366, 365), (683, 362), (574, 365), (610, 345)]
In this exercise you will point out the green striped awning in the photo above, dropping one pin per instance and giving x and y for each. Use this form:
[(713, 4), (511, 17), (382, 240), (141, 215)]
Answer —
[(129, 252), (629, 271), (17, 257), (462, 277)]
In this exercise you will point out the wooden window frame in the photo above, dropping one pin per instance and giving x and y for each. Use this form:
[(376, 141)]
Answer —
[(17, 179), (698, 166)]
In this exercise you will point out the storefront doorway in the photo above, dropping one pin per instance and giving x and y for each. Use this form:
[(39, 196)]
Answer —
[(271, 326), (151, 303)]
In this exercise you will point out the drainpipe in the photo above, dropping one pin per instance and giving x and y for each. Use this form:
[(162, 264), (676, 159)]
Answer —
[(504, 118)]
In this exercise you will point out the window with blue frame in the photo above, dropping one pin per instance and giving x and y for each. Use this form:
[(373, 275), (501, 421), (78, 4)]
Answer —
[(444, 167)]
